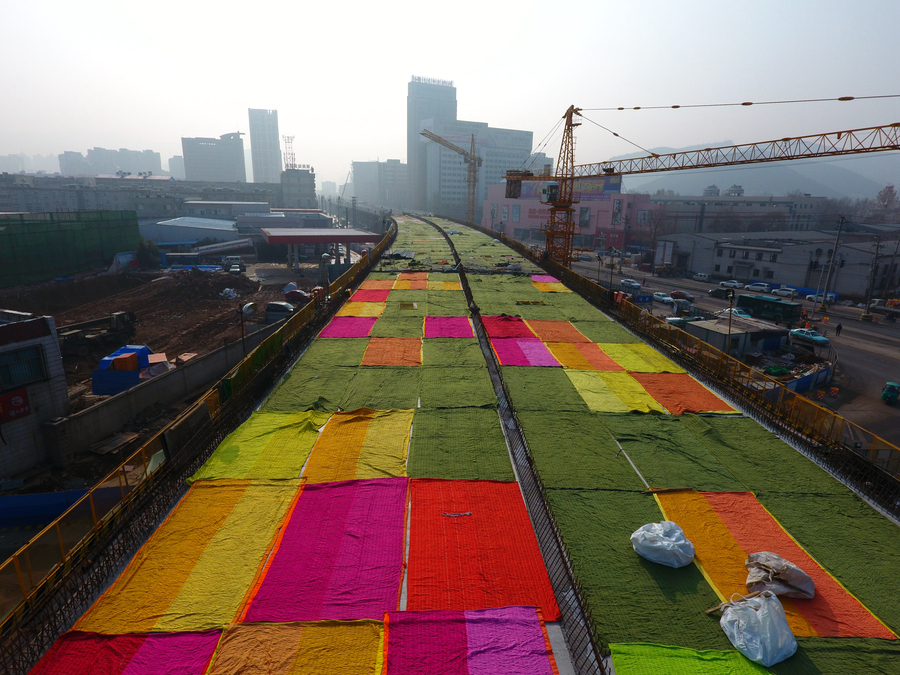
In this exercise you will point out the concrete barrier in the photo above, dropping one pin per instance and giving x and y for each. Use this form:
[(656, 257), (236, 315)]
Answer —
[(92, 425)]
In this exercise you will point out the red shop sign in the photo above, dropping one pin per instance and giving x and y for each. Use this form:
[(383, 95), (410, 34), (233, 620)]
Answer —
[(14, 405)]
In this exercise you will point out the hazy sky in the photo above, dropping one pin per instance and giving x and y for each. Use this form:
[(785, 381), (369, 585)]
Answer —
[(142, 75)]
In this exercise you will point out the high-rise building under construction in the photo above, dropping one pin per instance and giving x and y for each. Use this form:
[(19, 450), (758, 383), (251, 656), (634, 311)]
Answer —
[(265, 146)]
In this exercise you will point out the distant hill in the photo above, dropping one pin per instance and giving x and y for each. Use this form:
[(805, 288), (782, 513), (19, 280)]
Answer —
[(855, 177)]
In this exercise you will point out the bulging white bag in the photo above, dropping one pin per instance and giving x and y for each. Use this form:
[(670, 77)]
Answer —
[(663, 543), (758, 629)]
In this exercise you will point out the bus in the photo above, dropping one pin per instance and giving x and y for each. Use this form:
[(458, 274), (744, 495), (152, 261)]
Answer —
[(182, 259), (770, 308)]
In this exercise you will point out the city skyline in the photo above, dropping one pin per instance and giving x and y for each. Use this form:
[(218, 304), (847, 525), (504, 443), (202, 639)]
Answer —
[(646, 54)]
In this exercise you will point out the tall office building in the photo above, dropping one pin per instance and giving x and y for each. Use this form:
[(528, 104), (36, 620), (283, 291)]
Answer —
[(426, 99), (214, 159), (265, 146)]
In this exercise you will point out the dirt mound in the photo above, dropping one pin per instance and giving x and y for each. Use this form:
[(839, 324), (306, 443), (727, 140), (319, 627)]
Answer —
[(53, 297)]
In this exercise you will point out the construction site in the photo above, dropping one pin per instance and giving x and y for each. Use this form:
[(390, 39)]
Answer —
[(443, 465), (447, 461)]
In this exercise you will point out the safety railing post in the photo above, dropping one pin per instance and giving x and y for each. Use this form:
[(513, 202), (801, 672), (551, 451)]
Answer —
[(19, 575)]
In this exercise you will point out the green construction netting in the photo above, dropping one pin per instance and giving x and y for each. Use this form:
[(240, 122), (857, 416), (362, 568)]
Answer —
[(446, 303), (458, 444), (860, 548), (334, 352), (640, 658), (840, 656), (458, 352), (311, 388), (668, 454), (633, 600), (575, 450), (449, 387), (409, 325), (604, 331), (382, 388), (542, 389)]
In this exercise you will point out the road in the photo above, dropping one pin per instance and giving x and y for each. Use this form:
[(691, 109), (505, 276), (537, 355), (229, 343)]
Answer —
[(868, 353)]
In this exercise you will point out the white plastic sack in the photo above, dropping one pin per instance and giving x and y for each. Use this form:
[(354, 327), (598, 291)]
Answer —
[(768, 571), (758, 629), (663, 543)]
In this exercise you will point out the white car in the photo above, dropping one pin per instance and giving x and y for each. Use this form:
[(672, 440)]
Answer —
[(818, 298), (785, 292), (758, 286), (741, 314), (631, 283), (731, 284), (664, 298)]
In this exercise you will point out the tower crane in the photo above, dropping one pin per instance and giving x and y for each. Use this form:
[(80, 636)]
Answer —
[(560, 229), (472, 161)]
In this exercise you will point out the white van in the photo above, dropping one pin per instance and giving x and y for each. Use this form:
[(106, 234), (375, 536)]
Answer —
[(700, 277), (230, 260)]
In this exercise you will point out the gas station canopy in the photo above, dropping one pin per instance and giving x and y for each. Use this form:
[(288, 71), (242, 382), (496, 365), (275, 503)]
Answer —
[(299, 235)]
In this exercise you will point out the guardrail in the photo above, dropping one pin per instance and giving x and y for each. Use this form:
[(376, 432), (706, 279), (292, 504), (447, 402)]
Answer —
[(30, 575), (860, 458)]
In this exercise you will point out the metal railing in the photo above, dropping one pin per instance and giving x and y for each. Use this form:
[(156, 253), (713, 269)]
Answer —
[(51, 580)]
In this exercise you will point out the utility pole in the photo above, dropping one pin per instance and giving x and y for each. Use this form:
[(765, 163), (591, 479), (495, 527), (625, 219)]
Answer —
[(831, 264), (866, 315)]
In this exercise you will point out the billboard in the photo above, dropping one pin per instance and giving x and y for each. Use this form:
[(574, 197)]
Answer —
[(584, 190)]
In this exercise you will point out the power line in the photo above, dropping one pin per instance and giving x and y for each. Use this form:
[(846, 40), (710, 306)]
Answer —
[(747, 103)]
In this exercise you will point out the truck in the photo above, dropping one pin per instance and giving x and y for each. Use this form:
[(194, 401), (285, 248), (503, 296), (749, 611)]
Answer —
[(78, 338)]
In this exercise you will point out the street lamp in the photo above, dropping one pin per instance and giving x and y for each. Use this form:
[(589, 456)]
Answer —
[(247, 310)]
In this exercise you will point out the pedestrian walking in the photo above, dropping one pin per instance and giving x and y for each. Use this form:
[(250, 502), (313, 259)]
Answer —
[(837, 330)]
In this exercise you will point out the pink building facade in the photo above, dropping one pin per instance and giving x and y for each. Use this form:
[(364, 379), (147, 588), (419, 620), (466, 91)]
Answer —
[(604, 216)]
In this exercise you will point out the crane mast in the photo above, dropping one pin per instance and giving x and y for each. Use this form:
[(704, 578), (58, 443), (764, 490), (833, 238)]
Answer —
[(472, 161), (560, 229)]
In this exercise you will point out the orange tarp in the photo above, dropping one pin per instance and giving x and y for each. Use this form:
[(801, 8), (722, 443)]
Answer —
[(680, 393), (335, 455), (361, 443), (727, 526), (393, 351), (413, 276), (377, 285), (471, 546), (556, 331), (410, 285), (301, 648), (599, 359)]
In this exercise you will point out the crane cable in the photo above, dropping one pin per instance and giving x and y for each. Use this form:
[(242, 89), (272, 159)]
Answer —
[(649, 152), (543, 144), (747, 103)]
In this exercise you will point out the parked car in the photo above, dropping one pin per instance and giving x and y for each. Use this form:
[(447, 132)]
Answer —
[(718, 293), (732, 283), (741, 314), (681, 295), (890, 393), (631, 283), (663, 298), (759, 287), (848, 303), (234, 269), (831, 297), (785, 292), (809, 337), (700, 276), (276, 311)]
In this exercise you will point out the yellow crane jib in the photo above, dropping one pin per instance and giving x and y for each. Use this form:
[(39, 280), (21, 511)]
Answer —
[(472, 161)]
